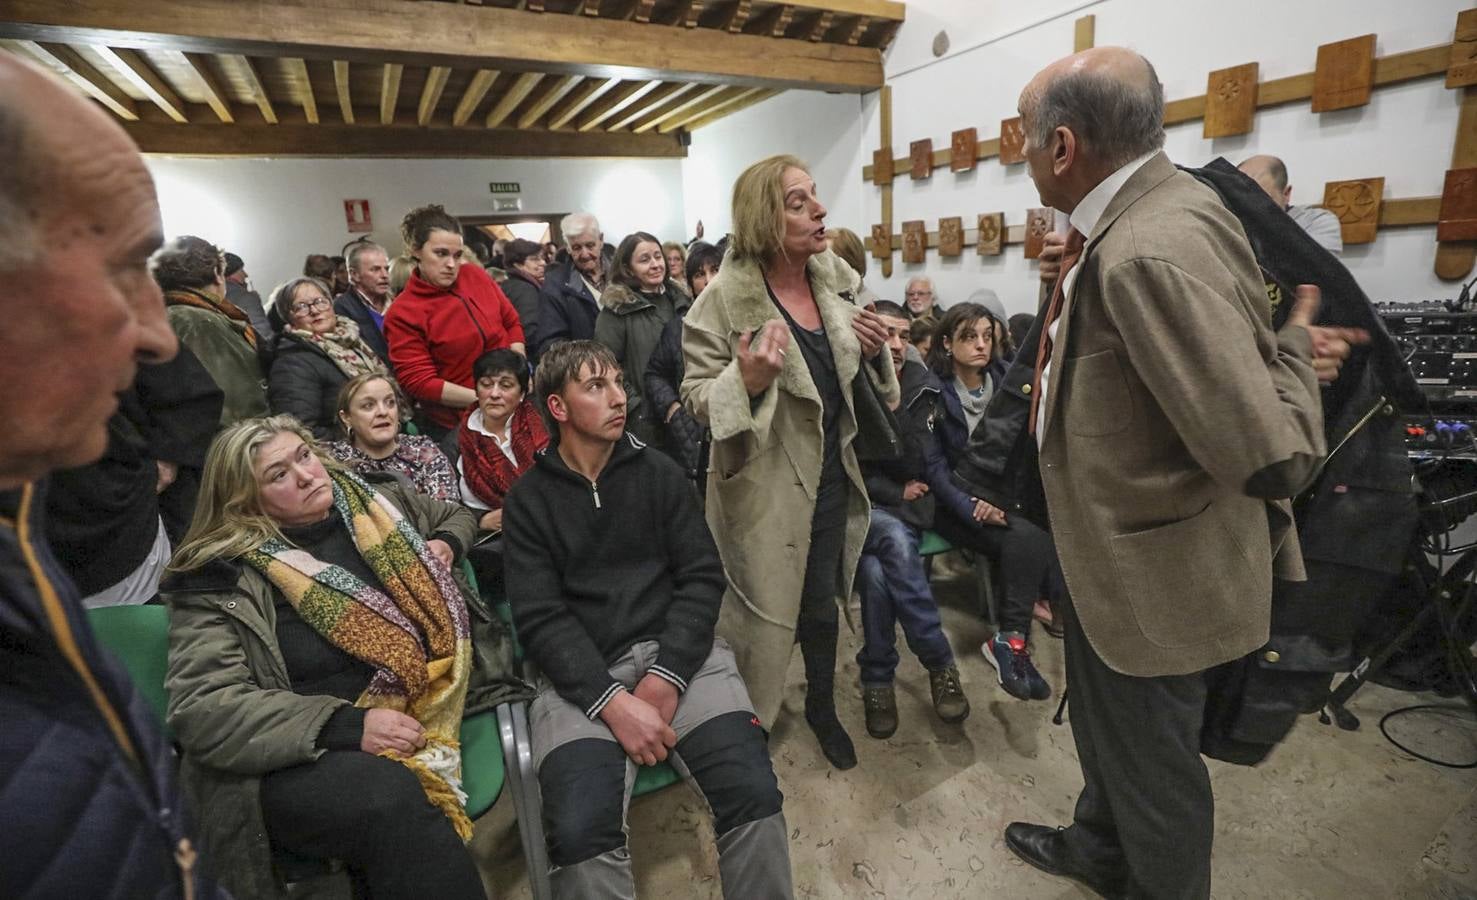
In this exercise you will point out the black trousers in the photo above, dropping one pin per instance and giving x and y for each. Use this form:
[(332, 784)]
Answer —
[(371, 813), (1028, 563), (819, 626), (1146, 809)]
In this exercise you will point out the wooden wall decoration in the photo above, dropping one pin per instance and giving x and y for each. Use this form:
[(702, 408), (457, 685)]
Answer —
[(1038, 223), (990, 240), (1458, 217), (1012, 142), (1230, 100), (1461, 71), (962, 148), (915, 241), (1357, 204), (1344, 76), (882, 166), (921, 152), (882, 241), (951, 236)]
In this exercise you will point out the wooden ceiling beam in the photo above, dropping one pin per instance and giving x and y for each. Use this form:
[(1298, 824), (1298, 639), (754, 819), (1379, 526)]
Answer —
[(255, 87), (589, 92), (137, 71), (81, 74), (431, 94), (390, 92), (676, 107), (472, 95), (758, 96), (299, 71), (341, 87), (373, 31), (218, 100), (721, 100), (614, 102), (521, 87), (771, 22), (392, 141), (552, 94), (651, 101)]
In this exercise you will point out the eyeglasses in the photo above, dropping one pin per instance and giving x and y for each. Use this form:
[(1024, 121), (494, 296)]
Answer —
[(302, 309)]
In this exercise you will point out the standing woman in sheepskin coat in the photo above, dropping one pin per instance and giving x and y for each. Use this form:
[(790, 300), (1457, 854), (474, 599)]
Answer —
[(773, 349)]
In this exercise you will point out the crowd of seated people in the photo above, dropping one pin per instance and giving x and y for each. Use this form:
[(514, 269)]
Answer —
[(377, 428)]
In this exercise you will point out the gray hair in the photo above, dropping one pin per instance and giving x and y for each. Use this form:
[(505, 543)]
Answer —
[(1115, 121), (576, 224), (282, 296), (925, 280), (21, 195), (358, 249)]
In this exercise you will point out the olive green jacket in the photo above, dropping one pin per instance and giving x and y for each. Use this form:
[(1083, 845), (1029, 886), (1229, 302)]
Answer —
[(231, 704), (631, 326)]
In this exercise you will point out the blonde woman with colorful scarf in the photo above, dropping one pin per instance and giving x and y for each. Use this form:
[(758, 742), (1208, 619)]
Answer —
[(319, 659), (316, 352)]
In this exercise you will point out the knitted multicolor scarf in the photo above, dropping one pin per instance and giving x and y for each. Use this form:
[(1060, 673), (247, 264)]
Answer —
[(415, 632), (211, 303), (344, 347)]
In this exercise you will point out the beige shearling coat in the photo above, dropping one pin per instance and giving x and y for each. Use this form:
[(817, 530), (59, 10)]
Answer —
[(765, 466)]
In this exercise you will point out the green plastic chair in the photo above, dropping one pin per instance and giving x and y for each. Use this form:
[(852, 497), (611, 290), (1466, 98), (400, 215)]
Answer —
[(932, 544), (139, 637)]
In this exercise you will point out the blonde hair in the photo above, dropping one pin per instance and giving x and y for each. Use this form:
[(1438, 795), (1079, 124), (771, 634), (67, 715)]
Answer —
[(668, 247), (846, 244), (228, 517), (354, 385), (759, 209), (400, 269)]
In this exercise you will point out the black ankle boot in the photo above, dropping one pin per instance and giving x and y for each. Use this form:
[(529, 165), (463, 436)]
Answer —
[(820, 714)]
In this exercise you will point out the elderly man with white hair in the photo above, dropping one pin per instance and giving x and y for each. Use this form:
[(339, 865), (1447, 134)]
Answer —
[(571, 295), (920, 298)]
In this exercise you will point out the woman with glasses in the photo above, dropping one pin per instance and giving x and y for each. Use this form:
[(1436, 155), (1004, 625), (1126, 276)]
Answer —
[(314, 354)]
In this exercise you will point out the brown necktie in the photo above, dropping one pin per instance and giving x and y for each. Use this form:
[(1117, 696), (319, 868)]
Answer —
[(1070, 254)]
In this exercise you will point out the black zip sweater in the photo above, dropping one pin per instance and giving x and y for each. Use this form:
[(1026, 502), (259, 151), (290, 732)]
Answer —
[(593, 569)]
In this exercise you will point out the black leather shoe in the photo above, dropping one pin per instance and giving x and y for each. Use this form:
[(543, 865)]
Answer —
[(1046, 848)]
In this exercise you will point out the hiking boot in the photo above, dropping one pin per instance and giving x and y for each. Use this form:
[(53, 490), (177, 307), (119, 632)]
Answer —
[(948, 695), (1007, 652), (880, 704)]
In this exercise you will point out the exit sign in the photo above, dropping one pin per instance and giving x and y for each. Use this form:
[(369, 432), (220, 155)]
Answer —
[(505, 187)]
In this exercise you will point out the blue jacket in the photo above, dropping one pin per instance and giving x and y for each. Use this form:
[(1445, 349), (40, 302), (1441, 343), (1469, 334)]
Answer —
[(952, 428), (349, 305), (87, 781), (567, 309)]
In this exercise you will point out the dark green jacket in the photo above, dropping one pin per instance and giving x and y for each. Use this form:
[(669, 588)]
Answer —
[(231, 704), (631, 326), (232, 363)]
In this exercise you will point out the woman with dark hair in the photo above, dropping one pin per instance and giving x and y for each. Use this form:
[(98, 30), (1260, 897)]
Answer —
[(687, 438), (370, 413), (524, 263), (964, 359), (314, 354), (192, 273), (639, 301), (448, 315), (499, 437), (777, 353)]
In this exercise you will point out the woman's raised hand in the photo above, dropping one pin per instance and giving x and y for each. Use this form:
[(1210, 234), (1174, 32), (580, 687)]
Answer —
[(870, 332), (761, 358)]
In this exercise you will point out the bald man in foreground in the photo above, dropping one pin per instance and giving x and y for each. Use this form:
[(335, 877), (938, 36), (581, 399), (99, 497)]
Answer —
[(1167, 424), (88, 801)]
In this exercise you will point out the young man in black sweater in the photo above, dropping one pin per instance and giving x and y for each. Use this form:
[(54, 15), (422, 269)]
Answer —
[(615, 584)]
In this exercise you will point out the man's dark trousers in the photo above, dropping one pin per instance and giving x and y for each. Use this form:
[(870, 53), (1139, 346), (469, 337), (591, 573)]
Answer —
[(1146, 808)]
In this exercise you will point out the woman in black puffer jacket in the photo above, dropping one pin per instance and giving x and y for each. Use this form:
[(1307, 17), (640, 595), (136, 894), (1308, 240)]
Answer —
[(314, 354), (687, 438)]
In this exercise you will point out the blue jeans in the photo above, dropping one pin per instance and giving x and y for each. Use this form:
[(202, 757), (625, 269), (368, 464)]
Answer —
[(895, 591)]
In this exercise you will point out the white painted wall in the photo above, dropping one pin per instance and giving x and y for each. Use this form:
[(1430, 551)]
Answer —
[(1405, 134), (822, 129), (273, 213)]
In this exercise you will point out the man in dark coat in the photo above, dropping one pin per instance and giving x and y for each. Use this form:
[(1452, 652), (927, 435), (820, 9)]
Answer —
[(368, 296), (86, 777), (571, 295)]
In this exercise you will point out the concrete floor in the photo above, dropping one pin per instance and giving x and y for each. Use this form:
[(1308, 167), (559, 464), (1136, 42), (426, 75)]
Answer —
[(1331, 814)]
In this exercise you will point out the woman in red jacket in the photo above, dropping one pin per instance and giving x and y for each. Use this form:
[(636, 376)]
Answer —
[(448, 315)]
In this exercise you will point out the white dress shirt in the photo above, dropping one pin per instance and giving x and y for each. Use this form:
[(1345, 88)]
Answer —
[(1084, 218)]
